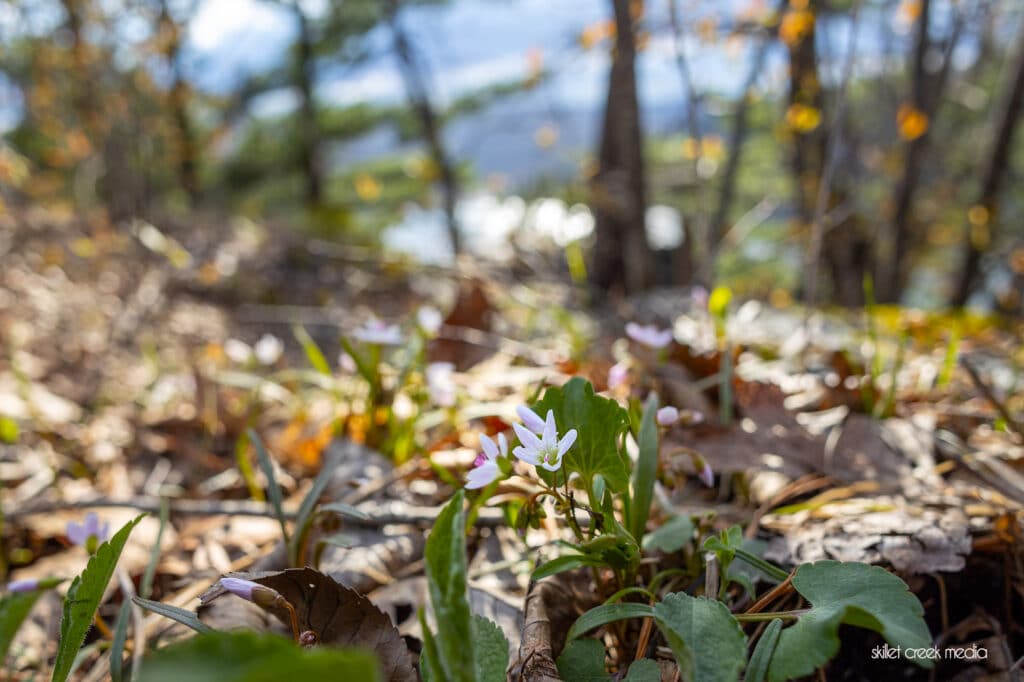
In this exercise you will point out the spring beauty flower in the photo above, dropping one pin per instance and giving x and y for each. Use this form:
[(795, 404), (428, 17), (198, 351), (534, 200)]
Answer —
[(649, 335), (667, 416), (268, 349), (544, 449), (706, 475), (380, 333), (485, 467), (89, 534)]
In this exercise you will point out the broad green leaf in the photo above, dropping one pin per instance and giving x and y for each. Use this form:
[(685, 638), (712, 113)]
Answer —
[(599, 422), (708, 642), (243, 656), (273, 489), (644, 472), (563, 563), (583, 660), (607, 613), (644, 670), (855, 594), (446, 574), (490, 650), (83, 598), (186, 618), (14, 608), (671, 536), (757, 667), (302, 519)]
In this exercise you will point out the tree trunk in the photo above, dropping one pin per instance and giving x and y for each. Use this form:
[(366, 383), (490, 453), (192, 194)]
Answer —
[(979, 230), (185, 142), (622, 258), (309, 130), (419, 101)]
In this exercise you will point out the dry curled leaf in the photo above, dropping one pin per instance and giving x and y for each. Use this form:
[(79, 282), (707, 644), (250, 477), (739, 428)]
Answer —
[(337, 615)]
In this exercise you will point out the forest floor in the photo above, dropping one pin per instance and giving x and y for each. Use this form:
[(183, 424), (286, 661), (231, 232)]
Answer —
[(135, 363)]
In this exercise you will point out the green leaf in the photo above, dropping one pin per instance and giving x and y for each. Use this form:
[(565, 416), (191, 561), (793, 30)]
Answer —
[(273, 489), (599, 422), (607, 613), (671, 536), (446, 574), (855, 594), (583, 660), (305, 513), (561, 564), (757, 667), (644, 670), (117, 645), (83, 598), (490, 649), (644, 472), (243, 656), (430, 669), (313, 353), (342, 509), (14, 609), (708, 642), (186, 618), (8, 430)]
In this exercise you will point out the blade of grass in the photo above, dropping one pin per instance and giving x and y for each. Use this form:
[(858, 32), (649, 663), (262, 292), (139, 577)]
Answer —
[(146, 586), (273, 489), (313, 353)]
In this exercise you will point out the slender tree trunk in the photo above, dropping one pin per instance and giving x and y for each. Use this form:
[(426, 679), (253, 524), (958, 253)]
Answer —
[(309, 129), (737, 136), (430, 125), (979, 231), (622, 258)]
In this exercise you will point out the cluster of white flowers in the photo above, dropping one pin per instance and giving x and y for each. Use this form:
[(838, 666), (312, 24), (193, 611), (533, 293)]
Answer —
[(539, 446)]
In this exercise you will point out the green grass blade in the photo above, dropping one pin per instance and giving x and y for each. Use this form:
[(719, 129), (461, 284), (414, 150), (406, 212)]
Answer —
[(186, 618), (273, 489)]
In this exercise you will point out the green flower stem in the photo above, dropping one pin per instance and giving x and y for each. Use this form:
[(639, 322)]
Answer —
[(762, 565), (769, 615)]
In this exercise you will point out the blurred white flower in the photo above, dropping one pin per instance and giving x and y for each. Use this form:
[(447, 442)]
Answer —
[(380, 333), (429, 318), (268, 349), (238, 351), (667, 416), (440, 384), (649, 335)]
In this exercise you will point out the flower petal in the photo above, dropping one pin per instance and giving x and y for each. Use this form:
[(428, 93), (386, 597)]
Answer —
[(550, 430), (503, 444), (567, 440), (490, 448), (483, 475), (552, 467), (527, 455), (530, 418), (526, 437)]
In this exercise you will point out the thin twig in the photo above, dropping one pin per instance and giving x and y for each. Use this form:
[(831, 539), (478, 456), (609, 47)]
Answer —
[(377, 514)]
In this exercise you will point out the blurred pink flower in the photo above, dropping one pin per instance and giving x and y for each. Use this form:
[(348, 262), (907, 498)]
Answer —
[(667, 416)]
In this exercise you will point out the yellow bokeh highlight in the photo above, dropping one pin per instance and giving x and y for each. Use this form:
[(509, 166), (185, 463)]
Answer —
[(803, 118), (911, 122), (367, 188), (796, 25)]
